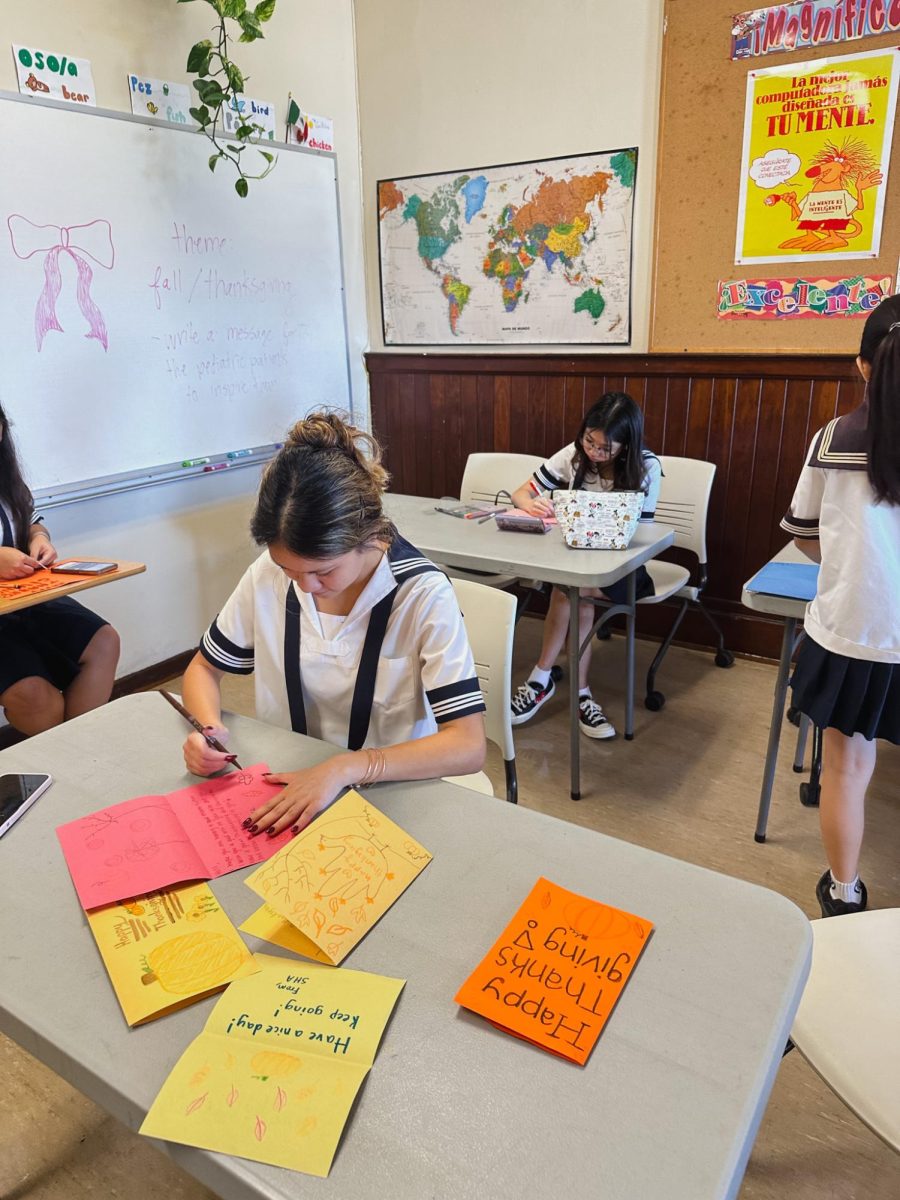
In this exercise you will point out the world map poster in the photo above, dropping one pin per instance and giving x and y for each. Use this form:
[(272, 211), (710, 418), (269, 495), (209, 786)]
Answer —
[(536, 252)]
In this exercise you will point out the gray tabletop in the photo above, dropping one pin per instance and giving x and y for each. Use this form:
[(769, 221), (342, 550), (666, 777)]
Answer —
[(484, 547), (668, 1104)]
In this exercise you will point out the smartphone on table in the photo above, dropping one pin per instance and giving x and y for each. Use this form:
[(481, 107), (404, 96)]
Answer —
[(78, 566), (17, 794)]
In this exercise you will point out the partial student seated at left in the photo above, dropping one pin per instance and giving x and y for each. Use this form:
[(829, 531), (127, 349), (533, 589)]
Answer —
[(57, 659)]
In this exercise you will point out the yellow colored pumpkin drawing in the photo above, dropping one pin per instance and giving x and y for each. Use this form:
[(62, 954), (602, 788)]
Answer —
[(272, 1062), (192, 963)]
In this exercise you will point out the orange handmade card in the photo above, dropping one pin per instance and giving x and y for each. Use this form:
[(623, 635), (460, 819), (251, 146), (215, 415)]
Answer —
[(554, 975)]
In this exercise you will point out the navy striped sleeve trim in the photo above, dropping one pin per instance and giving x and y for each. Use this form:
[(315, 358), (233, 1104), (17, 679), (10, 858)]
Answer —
[(406, 561), (454, 700), (547, 480), (217, 649), (801, 527)]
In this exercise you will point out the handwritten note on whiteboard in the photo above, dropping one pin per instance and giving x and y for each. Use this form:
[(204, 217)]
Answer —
[(151, 842), (274, 1073)]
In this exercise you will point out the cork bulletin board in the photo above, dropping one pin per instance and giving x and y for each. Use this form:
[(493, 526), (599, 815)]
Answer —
[(698, 182)]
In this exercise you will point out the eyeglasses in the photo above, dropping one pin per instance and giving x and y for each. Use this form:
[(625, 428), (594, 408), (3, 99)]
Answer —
[(604, 450)]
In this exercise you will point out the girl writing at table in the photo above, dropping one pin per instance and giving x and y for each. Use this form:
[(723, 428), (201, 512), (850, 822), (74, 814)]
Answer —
[(57, 659), (607, 455), (845, 514), (353, 636)]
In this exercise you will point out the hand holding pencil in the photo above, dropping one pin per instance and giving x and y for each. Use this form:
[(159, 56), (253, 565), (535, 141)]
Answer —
[(205, 751)]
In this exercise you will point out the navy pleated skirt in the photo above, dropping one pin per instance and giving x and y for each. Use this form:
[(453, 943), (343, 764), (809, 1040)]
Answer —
[(852, 695)]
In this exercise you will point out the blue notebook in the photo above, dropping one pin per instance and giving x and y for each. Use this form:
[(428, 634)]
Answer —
[(794, 581)]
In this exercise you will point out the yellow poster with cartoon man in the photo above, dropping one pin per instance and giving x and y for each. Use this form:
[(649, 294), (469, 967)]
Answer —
[(817, 144)]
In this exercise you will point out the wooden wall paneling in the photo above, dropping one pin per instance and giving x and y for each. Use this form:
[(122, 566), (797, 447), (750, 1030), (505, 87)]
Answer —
[(752, 416)]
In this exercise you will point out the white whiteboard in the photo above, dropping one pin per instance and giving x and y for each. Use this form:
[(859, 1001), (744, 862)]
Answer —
[(222, 318)]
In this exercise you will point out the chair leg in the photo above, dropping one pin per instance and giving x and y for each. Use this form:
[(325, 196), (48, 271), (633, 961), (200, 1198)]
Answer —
[(724, 658), (512, 781), (800, 752), (809, 792), (660, 655)]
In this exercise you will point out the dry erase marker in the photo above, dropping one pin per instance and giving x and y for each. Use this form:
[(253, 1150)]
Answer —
[(216, 467), (194, 462), (239, 453)]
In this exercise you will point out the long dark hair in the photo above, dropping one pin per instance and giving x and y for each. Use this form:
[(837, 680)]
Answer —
[(13, 489), (616, 415), (880, 348), (320, 497)]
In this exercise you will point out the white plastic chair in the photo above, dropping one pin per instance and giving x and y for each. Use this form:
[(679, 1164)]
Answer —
[(491, 478), (683, 504), (848, 1024), (490, 617)]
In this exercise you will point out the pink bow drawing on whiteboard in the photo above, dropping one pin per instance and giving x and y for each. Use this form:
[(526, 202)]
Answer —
[(93, 240)]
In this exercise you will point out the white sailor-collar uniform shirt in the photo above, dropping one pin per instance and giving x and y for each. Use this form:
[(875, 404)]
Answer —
[(397, 666), (855, 611)]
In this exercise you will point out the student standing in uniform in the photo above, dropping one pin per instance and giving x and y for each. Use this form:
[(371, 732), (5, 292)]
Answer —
[(57, 659), (353, 636), (846, 515), (607, 455)]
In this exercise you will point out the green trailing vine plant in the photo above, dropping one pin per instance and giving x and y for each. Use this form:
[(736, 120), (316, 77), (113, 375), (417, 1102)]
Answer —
[(218, 82)]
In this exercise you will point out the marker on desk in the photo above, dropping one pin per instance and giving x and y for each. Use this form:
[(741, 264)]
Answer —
[(239, 453), (217, 467), (194, 462)]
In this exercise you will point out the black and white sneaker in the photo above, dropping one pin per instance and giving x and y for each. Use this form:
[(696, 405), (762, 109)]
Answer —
[(831, 906), (529, 698), (591, 719)]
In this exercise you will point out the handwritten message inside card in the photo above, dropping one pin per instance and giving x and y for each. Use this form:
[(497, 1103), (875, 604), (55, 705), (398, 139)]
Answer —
[(274, 1073), (334, 880), (555, 973), (168, 949), (151, 842)]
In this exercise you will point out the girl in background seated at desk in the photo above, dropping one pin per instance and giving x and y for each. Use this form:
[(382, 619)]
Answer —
[(57, 659), (607, 455), (845, 514), (353, 636)]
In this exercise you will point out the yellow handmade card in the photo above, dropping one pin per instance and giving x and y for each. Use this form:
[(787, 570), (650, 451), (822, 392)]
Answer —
[(168, 949), (269, 925), (334, 880), (274, 1073)]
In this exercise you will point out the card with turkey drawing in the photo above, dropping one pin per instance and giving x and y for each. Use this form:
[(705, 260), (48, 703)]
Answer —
[(334, 880)]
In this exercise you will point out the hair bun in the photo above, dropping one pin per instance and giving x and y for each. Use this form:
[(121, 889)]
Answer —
[(328, 431)]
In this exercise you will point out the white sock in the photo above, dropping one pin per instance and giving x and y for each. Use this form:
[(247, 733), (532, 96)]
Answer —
[(585, 691), (540, 676), (850, 893)]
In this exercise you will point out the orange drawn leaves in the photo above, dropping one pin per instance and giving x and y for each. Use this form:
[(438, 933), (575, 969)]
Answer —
[(259, 1131), (195, 1104), (232, 1096), (198, 1076), (280, 1099)]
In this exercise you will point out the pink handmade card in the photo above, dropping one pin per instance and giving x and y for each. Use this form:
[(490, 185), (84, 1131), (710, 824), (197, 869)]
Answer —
[(152, 842)]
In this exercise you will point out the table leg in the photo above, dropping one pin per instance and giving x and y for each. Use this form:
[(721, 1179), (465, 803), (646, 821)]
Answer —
[(574, 732), (629, 657), (781, 685)]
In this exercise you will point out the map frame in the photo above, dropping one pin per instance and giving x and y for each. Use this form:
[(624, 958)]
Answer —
[(545, 165)]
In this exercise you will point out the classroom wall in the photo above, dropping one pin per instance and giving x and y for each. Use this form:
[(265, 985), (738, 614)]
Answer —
[(192, 535), (471, 84)]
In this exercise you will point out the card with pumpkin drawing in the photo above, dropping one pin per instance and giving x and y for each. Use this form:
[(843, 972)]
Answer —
[(274, 1072), (168, 949)]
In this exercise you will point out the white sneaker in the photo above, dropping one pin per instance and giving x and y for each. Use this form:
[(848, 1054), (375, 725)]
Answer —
[(591, 719), (530, 697)]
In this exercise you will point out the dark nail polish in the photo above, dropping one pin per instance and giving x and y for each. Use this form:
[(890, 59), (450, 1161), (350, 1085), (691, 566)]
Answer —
[(295, 829), (246, 824), (271, 831), (254, 829)]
